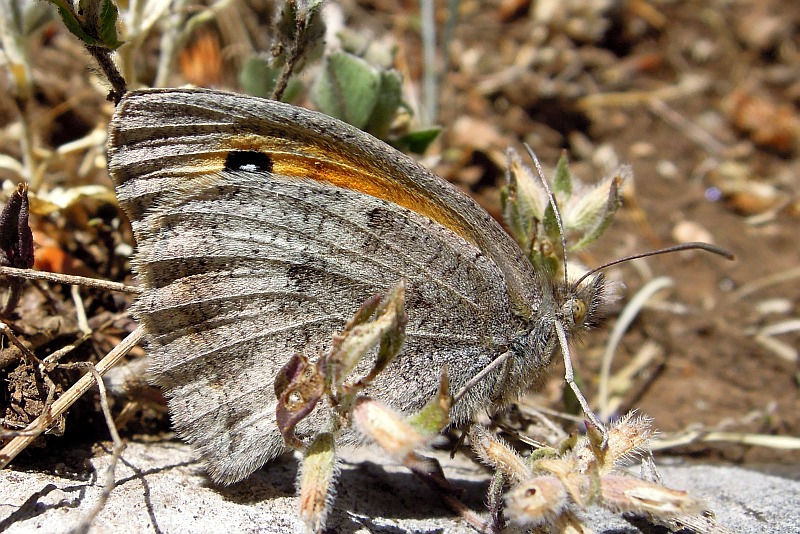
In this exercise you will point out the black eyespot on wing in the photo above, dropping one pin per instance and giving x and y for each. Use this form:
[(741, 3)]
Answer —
[(249, 161)]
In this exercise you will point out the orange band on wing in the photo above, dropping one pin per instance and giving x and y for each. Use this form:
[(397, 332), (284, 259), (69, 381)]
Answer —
[(302, 162), (346, 177)]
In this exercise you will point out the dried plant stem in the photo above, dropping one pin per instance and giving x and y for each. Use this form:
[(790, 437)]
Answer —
[(630, 375), (110, 481), (695, 523), (430, 80), (26, 137), (560, 415), (625, 320), (656, 102), (785, 351), (5, 330), (41, 423), (688, 86), (52, 360), (448, 35), (170, 43), (103, 57), (718, 433), (80, 310), (68, 279), (688, 437), (701, 137), (296, 51), (762, 283)]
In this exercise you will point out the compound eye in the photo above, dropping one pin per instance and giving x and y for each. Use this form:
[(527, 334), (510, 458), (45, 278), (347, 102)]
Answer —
[(579, 309)]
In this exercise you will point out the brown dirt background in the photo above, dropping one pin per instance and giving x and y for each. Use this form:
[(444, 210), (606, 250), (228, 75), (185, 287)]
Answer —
[(713, 374), (722, 157)]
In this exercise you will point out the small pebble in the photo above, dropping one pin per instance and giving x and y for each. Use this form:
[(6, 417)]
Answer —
[(667, 169), (689, 231)]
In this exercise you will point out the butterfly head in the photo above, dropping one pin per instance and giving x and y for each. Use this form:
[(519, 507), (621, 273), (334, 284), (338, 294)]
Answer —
[(585, 305), (573, 309)]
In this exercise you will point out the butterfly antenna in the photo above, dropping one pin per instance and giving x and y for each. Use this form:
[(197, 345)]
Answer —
[(695, 245), (569, 373), (553, 204)]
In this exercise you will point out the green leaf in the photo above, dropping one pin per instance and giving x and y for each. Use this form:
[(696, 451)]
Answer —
[(562, 183), (604, 221), (435, 415), (257, 77), (316, 481), (347, 89), (417, 141), (392, 341), (518, 226), (286, 24), (72, 23), (550, 223), (95, 24), (387, 330), (388, 100), (107, 25)]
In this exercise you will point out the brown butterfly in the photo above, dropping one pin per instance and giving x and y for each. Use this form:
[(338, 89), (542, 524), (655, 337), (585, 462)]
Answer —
[(261, 227)]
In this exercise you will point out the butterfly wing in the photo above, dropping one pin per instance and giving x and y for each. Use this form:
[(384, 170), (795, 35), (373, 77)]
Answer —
[(259, 234)]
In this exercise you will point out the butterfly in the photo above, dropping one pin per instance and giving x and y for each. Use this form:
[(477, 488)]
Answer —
[(261, 227)]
